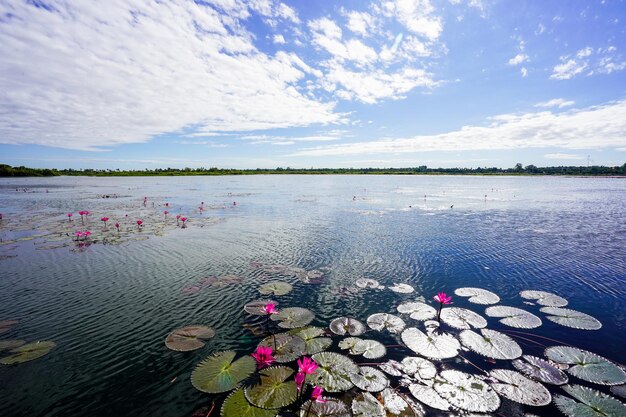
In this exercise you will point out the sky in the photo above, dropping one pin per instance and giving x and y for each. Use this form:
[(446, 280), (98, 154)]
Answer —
[(138, 84)]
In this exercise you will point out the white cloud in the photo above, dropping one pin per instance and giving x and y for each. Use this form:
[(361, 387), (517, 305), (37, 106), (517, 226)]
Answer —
[(597, 127), (82, 77), (601, 61), (585, 52), (361, 23), (524, 72), (518, 59), (568, 69), (556, 102), (279, 39), (417, 16), (565, 156)]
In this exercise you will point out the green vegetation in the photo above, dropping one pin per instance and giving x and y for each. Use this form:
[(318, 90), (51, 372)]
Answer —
[(8, 171)]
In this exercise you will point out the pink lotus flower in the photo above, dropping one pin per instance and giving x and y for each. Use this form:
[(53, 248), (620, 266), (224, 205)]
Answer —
[(166, 213), (117, 226), (270, 308), (87, 213), (307, 365), (69, 216), (299, 378), (443, 298), (78, 234), (316, 395), (263, 356), (82, 213), (87, 233)]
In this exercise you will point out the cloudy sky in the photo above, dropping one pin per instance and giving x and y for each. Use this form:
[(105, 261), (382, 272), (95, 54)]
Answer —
[(301, 83)]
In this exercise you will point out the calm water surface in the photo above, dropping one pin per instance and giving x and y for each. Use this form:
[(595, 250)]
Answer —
[(109, 307)]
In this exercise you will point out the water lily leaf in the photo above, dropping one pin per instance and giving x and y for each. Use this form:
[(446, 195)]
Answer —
[(331, 408), (516, 387), (591, 403), (418, 310), (491, 344), (288, 347), (333, 373), (312, 277), (587, 365), (366, 405), (544, 298), (236, 405), (619, 390), (218, 373), (188, 338), (433, 346), (349, 343), (429, 396), (477, 295), (346, 325), (257, 307), (540, 370), (467, 392), (5, 325), (313, 343), (462, 318), (293, 317), (273, 390), (276, 288), (392, 367), (402, 288), (514, 317), (28, 352), (420, 367), (370, 349), (369, 379), (384, 321), (368, 283), (400, 405), (571, 318), (11, 344)]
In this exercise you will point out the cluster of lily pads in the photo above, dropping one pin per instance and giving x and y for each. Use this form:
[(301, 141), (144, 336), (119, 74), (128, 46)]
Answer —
[(421, 360), (19, 350)]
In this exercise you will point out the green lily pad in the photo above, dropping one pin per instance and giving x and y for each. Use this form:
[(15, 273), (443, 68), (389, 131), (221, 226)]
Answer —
[(467, 392), (402, 288), (544, 298), (370, 349), (257, 307), (477, 295), (400, 405), (366, 405), (28, 352), (287, 347), (236, 405), (188, 338), (334, 371), (331, 408), (293, 317), (433, 346), (368, 283), (218, 373), (392, 367), (349, 343), (383, 321), (369, 379), (419, 367), (276, 288), (313, 343), (491, 344), (11, 344), (516, 387), (591, 403), (462, 318), (273, 390), (418, 310), (514, 317), (540, 370), (346, 325), (587, 365), (429, 396), (571, 318)]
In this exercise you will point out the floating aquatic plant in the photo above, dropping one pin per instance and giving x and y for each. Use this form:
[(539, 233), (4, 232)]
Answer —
[(571, 318), (221, 373), (346, 325), (462, 318), (477, 295), (293, 317), (334, 371), (274, 390), (188, 338), (402, 288), (491, 344), (28, 352), (540, 370), (276, 288), (587, 365), (516, 387), (466, 391), (434, 346), (588, 402), (544, 298), (383, 321), (514, 317), (418, 310)]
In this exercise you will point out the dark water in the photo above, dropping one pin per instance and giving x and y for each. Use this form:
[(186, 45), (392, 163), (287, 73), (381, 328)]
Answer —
[(109, 307)]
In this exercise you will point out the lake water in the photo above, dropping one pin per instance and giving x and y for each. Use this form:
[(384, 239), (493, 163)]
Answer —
[(109, 307)]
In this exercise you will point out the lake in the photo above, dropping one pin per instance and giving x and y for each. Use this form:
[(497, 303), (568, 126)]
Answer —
[(108, 302)]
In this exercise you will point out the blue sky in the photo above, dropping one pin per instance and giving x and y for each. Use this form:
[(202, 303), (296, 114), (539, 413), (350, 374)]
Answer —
[(264, 83)]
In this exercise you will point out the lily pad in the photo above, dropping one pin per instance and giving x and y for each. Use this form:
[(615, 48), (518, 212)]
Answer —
[(188, 338), (288, 347), (544, 298), (467, 392), (273, 390), (392, 367), (331, 408), (429, 396), (11, 344), (334, 371), (276, 288), (28, 352), (540, 370), (384, 321), (369, 379), (368, 283), (236, 405), (313, 342), (433, 346), (346, 325), (349, 343), (587, 365), (514, 317), (491, 344), (366, 405), (218, 373), (419, 367), (257, 307), (370, 349), (516, 387), (418, 310), (400, 405), (462, 318), (591, 403), (293, 317), (477, 295), (402, 288), (571, 318)]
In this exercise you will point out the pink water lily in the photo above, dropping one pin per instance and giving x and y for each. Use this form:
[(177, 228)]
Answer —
[(316, 395), (442, 298), (87, 233), (270, 308), (263, 356), (69, 216), (307, 365), (105, 220), (299, 378), (166, 213), (117, 226)]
